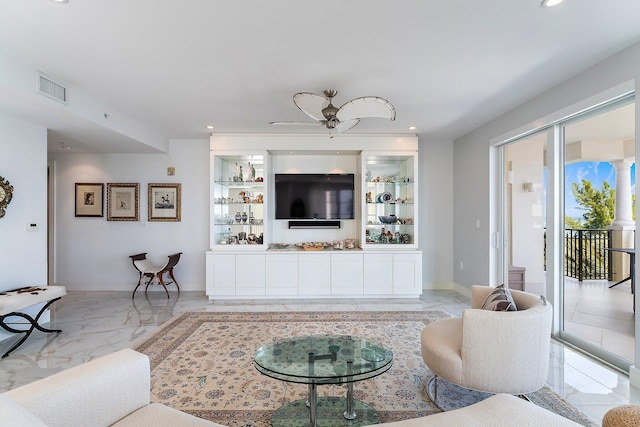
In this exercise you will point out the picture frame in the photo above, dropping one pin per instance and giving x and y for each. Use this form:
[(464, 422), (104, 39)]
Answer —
[(89, 200), (164, 202), (123, 200)]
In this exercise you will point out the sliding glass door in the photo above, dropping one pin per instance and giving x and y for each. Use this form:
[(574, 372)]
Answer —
[(599, 238), (568, 221)]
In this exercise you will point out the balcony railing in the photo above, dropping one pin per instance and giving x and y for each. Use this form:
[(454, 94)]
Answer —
[(585, 254)]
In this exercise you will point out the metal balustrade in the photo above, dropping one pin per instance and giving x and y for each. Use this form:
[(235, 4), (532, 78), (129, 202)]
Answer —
[(585, 254)]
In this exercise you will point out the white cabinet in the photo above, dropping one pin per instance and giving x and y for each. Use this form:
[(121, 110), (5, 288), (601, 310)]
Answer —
[(347, 274), (407, 273), (314, 274), (221, 274), (250, 275), (295, 275), (281, 274), (378, 274)]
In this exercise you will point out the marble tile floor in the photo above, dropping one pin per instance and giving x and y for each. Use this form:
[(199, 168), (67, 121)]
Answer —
[(97, 323), (601, 315)]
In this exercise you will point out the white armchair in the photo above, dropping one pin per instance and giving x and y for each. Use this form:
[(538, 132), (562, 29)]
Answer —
[(491, 351)]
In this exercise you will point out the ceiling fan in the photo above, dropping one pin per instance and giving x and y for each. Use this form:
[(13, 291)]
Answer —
[(339, 120)]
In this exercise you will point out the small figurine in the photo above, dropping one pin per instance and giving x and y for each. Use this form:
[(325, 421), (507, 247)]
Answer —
[(251, 173), (369, 197), (240, 174)]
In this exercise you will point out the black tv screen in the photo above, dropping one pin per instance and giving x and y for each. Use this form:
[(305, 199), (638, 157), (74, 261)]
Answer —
[(314, 196)]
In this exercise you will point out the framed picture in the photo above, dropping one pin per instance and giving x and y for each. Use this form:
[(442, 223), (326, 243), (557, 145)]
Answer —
[(122, 201), (164, 202), (89, 199)]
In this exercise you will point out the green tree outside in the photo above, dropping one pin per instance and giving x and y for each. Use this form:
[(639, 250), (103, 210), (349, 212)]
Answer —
[(598, 203), (583, 259)]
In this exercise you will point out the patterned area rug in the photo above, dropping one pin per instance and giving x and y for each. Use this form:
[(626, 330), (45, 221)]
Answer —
[(202, 364)]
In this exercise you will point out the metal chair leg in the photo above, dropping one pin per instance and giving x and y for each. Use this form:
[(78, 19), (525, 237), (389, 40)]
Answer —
[(433, 395)]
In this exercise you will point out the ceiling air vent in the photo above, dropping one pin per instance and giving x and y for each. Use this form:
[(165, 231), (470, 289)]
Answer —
[(51, 89)]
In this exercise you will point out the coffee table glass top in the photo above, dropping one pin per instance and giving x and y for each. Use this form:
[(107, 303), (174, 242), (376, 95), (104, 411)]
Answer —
[(323, 359)]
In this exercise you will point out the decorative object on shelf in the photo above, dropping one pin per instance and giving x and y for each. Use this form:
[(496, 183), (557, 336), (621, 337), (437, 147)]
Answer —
[(313, 246), (384, 197), (238, 217), (349, 244), (89, 199), (338, 244), (339, 119), (244, 217), (251, 173), (369, 197), (242, 236), (122, 201), (6, 194), (164, 202), (388, 219)]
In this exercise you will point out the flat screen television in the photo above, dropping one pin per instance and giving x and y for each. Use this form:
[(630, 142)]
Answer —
[(314, 196)]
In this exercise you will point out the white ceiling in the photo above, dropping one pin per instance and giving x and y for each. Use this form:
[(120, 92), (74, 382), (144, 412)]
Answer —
[(448, 66)]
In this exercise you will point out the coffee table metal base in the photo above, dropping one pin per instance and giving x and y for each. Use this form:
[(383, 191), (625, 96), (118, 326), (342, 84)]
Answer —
[(329, 413)]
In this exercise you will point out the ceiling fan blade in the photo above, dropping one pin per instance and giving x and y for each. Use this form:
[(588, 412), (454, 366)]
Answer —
[(295, 123), (367, 106), (344, 126), (310, 104)]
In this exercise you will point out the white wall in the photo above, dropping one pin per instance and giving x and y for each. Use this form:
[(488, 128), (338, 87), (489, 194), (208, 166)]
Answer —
[(436, 213), (23, 162), (23, 254), (473, 168), (92, 253), (100, 261)]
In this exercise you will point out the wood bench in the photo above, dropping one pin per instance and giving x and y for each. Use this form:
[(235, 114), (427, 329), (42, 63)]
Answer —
[(12, 302)]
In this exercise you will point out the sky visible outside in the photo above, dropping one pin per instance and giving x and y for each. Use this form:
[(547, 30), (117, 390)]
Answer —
[(597, 173)]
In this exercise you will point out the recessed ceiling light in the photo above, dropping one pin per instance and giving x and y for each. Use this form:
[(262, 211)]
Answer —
[(551, 3), (209, 126), (60, 1), (412, 128)]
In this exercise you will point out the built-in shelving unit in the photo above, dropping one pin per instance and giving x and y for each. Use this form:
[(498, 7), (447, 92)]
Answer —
[(246, 261), (390, 212), (238, 201)]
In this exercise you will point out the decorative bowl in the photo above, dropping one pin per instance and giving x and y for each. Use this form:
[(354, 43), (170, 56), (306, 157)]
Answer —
[(387, 219)]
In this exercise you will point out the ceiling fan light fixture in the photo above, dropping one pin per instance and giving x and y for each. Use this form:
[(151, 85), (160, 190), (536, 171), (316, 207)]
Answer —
[(339, 120), (551, 3)]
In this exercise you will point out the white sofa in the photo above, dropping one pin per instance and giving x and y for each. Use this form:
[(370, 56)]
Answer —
[(114, 390)]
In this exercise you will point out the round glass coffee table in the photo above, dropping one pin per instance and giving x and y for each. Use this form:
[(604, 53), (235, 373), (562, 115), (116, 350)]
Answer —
[(324, 359)]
